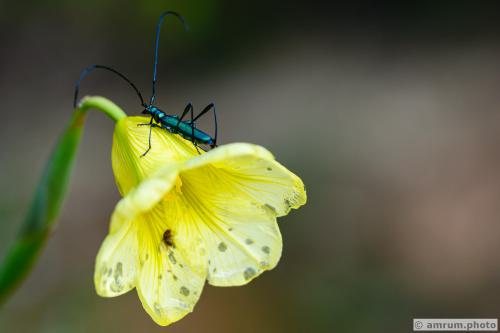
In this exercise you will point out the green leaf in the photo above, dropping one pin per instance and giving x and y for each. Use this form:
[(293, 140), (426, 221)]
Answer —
[(49, 196)]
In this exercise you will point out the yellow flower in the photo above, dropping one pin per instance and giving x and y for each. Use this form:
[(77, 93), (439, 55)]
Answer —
[(185, 218)]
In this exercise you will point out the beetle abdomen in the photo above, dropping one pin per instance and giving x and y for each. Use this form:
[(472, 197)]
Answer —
[(186, 130)]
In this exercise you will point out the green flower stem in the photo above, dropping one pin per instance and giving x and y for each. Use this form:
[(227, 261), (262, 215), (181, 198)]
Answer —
[(49, 195), (102, 104)]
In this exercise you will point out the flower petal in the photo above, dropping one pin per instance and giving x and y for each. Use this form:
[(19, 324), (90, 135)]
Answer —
[(117, 262), (171, 277), (242, 242), (145, 196), (130, 141), (253, 172), (237, 199), (171, 281)]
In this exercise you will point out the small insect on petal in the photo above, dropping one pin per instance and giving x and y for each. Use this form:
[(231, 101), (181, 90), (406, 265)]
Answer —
[(168, 238)]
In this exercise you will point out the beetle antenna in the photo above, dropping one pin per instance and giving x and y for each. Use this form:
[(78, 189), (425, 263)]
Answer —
[(155, 66), (89, 69)]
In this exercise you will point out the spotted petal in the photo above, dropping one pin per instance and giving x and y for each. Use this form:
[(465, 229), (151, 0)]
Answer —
[(237, 224), (117, 262), (252, 173), (171, 280)]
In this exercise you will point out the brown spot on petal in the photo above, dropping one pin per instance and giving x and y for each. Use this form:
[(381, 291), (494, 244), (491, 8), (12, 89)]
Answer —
[(222, 247), (184, 291), (157, 309), (270, 210), (249, 273), (172, 259), (118, 272)]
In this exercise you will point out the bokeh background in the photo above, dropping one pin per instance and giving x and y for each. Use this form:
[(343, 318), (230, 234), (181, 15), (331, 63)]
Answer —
[(389, 112)]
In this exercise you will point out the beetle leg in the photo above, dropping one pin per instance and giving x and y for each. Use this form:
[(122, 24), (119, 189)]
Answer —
[(209, 107), (192, 132), (189, 107), (151, 125)]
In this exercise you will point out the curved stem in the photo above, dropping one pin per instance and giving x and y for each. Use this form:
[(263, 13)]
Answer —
[(102, 104), (48, 198)]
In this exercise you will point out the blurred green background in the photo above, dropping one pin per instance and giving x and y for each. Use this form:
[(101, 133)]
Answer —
[(388, 112)]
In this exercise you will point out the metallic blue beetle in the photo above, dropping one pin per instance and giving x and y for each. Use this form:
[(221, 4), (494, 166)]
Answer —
[(174, 124)]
